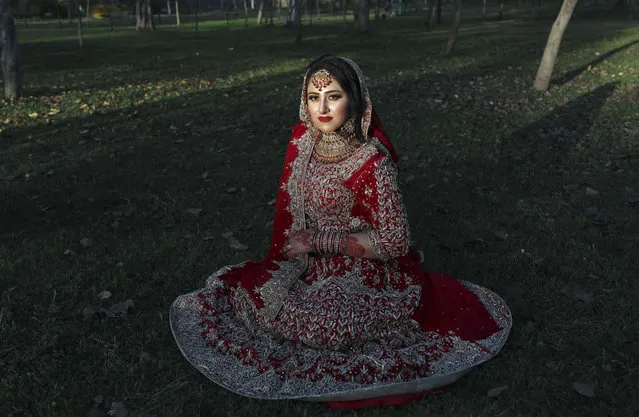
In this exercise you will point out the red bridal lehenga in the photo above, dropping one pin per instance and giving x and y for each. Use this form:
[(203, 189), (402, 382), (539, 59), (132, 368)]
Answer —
[(338, 328)]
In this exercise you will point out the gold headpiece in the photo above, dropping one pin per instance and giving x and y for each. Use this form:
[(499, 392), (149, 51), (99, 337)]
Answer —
[(321, 79)]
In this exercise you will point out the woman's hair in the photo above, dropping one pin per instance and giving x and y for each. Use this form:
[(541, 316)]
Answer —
[(348, 79)]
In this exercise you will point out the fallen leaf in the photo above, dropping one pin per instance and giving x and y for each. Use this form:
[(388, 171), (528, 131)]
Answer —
[(104, 295), (591, 191), (495, 392), (119, 309), (586, 390), (500, 234), (231, 190), (227, 235), (271, 202), (85, 242), (69, 252), (118, 410), (235, 244), (194, 211)]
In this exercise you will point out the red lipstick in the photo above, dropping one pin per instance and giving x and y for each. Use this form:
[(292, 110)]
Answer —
[(325, 119)]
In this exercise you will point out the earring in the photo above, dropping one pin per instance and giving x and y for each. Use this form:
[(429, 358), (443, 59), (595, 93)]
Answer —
[(348, 128)]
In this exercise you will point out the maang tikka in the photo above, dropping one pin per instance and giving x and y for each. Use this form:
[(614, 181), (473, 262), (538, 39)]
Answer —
[(321, 79)]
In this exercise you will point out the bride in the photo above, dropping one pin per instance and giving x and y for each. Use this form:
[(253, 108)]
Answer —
[(340, 309)]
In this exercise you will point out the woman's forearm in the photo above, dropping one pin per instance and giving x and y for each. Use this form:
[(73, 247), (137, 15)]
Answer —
[(358, 245)]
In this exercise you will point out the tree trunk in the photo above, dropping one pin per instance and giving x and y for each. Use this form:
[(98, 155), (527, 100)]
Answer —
[(298, 22), (260, 12), (9, 52), (501, 9), (270, 12), (177, 13), (317, 5), (197, 18), (363, 15), (245, 14), (88, 10), (439, 12), (430, 20), (57, 15), (483, 9), (111, 21), (377, 9), (144, 18), (544, 73), (252, 4), (344, 5), (80, 30), (454, 30), (168, 7)]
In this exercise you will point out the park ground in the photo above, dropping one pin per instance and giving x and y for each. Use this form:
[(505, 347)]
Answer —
[(128, 165)]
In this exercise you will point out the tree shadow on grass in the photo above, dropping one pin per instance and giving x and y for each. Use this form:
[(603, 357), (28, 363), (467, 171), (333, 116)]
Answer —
[(571, 75)]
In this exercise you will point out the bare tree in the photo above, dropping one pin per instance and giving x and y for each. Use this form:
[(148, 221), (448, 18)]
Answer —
[(344, 6), (9, 51), (177, 13), (144, 18), (260, 12), (362, 15), (454, 30), (544, 73), (245, 14), (297, 20), (430, 20), (80, 30), (197, 18)]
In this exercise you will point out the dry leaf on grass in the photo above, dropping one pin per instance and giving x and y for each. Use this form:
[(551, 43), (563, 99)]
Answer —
[(236, 244), (104, 295), (194, 211), (119, 309), (271, 202), (227, 235), (586, 390), (591, 192), (500, 234), (495, 392), (85, 242)]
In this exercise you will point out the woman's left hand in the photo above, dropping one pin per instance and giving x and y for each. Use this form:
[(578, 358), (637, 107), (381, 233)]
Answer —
[(298, 242)]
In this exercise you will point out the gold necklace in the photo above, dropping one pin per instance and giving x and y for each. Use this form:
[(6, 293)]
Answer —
[(333, 147)]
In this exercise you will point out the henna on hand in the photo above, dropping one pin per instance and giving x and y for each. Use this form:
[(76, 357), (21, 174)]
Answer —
[(354, 248)]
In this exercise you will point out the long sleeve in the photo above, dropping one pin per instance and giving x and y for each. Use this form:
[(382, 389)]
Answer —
[(389, 236)]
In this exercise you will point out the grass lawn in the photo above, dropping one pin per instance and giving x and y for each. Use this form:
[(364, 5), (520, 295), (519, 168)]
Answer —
[(128, 160)]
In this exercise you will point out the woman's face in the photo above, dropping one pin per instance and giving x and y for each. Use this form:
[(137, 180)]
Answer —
[(327, 102)]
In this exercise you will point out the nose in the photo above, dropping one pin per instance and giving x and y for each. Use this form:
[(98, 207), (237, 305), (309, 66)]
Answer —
[(324, 106)]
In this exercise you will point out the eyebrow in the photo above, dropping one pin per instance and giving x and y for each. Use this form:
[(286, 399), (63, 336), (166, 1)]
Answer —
[(327, 92)]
